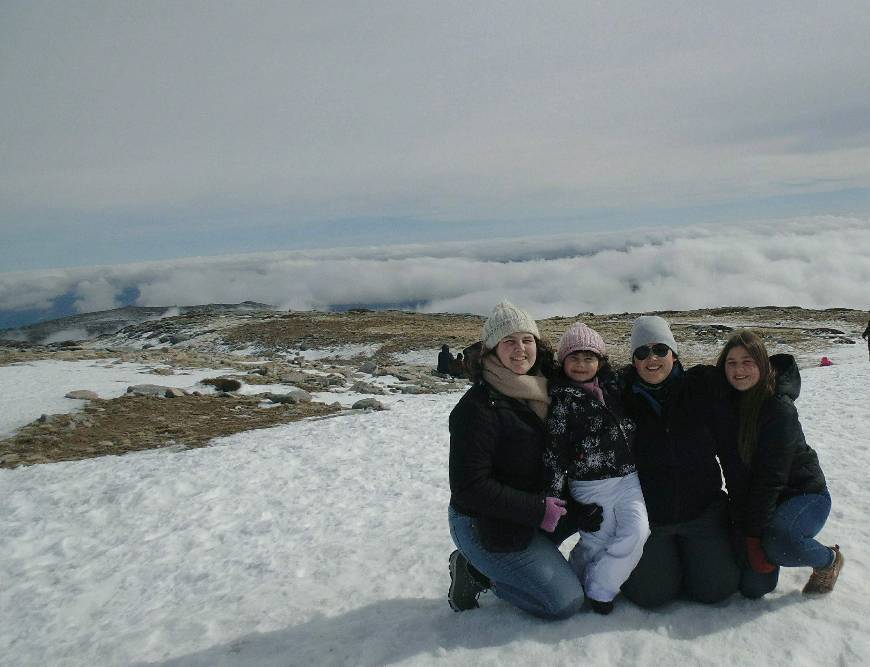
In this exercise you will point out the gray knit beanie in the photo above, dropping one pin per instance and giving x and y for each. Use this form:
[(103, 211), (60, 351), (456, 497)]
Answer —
[(580, 337), (504, 320), (651, 329)]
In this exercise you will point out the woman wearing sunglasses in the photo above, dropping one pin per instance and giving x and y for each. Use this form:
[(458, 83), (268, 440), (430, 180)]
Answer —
[(689, 552)]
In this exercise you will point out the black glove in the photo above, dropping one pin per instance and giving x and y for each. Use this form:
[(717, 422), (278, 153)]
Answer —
[(586, 517)]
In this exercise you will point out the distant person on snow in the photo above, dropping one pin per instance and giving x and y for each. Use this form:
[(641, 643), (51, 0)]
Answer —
[(866, 335), (505, 524), (780, 499), (826, 362), (590, 457), (457, 366), (444, 359)]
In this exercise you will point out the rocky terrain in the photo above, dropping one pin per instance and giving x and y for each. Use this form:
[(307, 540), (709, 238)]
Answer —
[(360, 352)]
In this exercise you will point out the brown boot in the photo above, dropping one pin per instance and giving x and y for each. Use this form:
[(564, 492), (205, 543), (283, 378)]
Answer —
[(822, 579)]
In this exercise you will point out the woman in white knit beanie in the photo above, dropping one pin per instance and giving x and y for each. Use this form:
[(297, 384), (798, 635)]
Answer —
[(505, 526)]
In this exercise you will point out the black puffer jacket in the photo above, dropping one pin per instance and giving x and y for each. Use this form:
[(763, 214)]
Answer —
[(783, 466), (496, 470), (496, 467), (589, 439), (676, 450)]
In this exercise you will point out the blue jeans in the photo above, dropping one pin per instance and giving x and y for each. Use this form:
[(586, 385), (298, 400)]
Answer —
[(537, 579), (788, 540)]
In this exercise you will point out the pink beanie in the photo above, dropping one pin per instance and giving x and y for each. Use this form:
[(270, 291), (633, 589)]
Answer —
[(580, 337)]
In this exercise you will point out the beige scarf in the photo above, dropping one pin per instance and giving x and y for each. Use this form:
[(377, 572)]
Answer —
[(530, 389)]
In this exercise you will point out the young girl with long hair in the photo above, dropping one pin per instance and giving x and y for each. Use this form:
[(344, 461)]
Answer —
[(779, 496)]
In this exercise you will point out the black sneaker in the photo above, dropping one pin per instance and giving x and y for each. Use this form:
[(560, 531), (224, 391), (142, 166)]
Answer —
[(464, 586), (600, 607)]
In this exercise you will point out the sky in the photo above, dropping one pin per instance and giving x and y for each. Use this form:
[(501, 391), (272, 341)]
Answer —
[(325, 542), (137, 132)]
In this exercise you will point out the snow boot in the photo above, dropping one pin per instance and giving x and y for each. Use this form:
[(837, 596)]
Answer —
[(600, 607), (466, 583), (822, 579)]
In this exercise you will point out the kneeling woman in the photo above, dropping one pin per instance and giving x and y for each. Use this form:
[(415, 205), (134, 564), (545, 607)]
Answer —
[(779, 495), (502, 521)]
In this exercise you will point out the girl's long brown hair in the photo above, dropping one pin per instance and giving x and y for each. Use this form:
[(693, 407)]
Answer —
[(751, 400)]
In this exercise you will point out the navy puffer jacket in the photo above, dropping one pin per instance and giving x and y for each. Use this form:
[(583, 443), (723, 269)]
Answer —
[(676, 443)]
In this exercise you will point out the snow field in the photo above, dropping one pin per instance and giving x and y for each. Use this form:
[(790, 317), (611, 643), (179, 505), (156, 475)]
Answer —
[(325, 542)]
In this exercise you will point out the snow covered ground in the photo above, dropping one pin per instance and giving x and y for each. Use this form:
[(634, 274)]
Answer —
[(325, 542), (38, 387)]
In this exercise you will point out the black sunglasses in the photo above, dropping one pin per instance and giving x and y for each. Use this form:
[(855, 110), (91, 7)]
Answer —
[(658, 350)]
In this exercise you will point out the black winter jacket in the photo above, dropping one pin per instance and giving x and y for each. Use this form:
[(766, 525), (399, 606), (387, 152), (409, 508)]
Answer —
[(783, 465), (676, 450), (589, 439), (496, 467)]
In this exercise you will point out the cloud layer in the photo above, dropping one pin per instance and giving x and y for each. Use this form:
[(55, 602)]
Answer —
[(818, 262)]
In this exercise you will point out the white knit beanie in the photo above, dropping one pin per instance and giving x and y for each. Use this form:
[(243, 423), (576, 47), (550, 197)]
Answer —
[(580, 337), (505, 320), (649, 330)]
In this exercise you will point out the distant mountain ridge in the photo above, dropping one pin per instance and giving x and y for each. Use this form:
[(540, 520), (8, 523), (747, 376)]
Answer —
[(90, 325)]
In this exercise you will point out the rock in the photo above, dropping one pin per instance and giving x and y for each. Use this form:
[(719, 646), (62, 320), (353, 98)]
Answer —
[(173, 392), (49, 419), (291, 397), (301, 395), (366, 388), (368, 404), (412, 389), (294, 377), (82, 394), (147, 390), (822, 331), (223, 384), (163, 371), (369, 367), (287, 399)]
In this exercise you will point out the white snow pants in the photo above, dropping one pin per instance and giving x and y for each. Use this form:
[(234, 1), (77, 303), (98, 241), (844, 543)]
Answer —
[(604, 559)]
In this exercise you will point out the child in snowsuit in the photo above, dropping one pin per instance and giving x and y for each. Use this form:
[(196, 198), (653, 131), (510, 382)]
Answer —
[(589, 455)]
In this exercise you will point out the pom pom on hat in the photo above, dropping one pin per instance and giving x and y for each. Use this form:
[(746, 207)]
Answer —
[(505, 320), (580, 337), (651, 329)]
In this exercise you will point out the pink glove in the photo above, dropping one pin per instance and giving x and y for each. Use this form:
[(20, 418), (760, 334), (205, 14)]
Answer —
[(757, 558), (554, 509)]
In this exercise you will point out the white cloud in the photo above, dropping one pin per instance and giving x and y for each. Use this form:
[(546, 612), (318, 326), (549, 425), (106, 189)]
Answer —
[(95, 294), (818, 262)]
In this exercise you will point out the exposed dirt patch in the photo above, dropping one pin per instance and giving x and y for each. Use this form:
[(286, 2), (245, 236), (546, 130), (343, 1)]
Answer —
[(395, 331), (132, 423)]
